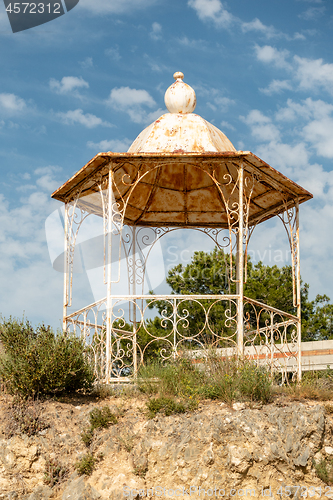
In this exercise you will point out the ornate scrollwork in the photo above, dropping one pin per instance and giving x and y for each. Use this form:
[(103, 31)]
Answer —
[(74, 215), (289, 219), (271, 338)]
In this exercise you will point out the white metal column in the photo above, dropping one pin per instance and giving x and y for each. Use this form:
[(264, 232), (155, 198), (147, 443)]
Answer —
[(298, 298), (135, 362), (240, 266), (108, 297), (66, 270)]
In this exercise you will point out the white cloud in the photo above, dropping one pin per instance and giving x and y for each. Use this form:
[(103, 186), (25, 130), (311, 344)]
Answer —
[(306, 110), (225, 124), (192, 43), (45, 179), (312, 13), (319, 133), (276, 86), (271, 55), (261, 126), (289, 158), (124, 97), (87, 63), (32, 286), (103, 7), (257, 25), (156, 31), (220, 103), (300, 36), (156, 66), (132, 101), (314, 74), (113, 53), (308, 74), (314, 123), (212, 10), (268, 31), (11, 103), (24, 188), (68, 84), (115, 145), (290, 112), (77, 116)]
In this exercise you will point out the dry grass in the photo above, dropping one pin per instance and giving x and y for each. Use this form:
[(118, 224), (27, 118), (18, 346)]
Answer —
[(314, 385)]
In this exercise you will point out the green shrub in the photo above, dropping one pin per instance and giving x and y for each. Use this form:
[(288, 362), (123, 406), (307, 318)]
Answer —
[(255, 382), (101, 418), (98, 419), (177, 378), (38, 361), (211, 377), (324, 470), (140, 471), (85, 465), (87, 437), (55, 473), (168, 406), (127, 440)]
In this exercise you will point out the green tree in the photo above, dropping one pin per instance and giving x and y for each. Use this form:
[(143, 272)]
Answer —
[(208, 273), (317, 319)]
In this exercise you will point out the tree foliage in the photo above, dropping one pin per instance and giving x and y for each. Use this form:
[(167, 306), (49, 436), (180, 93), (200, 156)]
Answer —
[(208, 273)]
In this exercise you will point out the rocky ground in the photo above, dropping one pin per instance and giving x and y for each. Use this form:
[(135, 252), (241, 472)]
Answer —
[(214, 451)]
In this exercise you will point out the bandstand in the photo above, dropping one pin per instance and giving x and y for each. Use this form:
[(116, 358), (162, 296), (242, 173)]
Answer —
[(180, 172)]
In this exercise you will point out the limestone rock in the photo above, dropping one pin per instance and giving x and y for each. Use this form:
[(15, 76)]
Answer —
[(41, 493), (80, 490)]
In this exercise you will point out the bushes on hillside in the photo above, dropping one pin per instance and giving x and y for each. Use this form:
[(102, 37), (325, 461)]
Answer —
[(225, 379), (39, 361)]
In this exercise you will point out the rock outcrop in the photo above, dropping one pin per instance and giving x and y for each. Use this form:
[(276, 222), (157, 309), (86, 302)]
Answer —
[(216, 451)]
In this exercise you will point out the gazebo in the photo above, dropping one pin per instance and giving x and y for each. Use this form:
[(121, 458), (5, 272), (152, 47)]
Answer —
[(180, 172)]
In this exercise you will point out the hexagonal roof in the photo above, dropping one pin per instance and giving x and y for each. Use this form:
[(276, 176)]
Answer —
[(180, 171)]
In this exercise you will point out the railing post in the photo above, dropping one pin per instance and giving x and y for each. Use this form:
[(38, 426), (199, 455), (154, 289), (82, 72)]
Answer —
[(298, 296), (240, 267), (108, 298), (135, 361), (174, 328), (66, 270), (272, 341)]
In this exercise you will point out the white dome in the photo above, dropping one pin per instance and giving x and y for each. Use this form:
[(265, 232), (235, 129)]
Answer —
[(181, 131)]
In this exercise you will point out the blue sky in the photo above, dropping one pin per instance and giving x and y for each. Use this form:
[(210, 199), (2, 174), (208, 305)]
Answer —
[(91, 80)]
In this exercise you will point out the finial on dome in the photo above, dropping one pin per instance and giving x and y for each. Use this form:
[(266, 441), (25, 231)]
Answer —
[(178, 75), (180, 97)]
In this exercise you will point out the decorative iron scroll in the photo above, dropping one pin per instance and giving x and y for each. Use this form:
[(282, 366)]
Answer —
[(74, 217), (146, 238), (187, 324), (89, 324), (271, 337), (290, 221)]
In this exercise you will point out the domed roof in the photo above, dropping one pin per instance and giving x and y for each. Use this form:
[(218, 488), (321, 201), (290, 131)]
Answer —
[(180, 130), (181, 171)]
